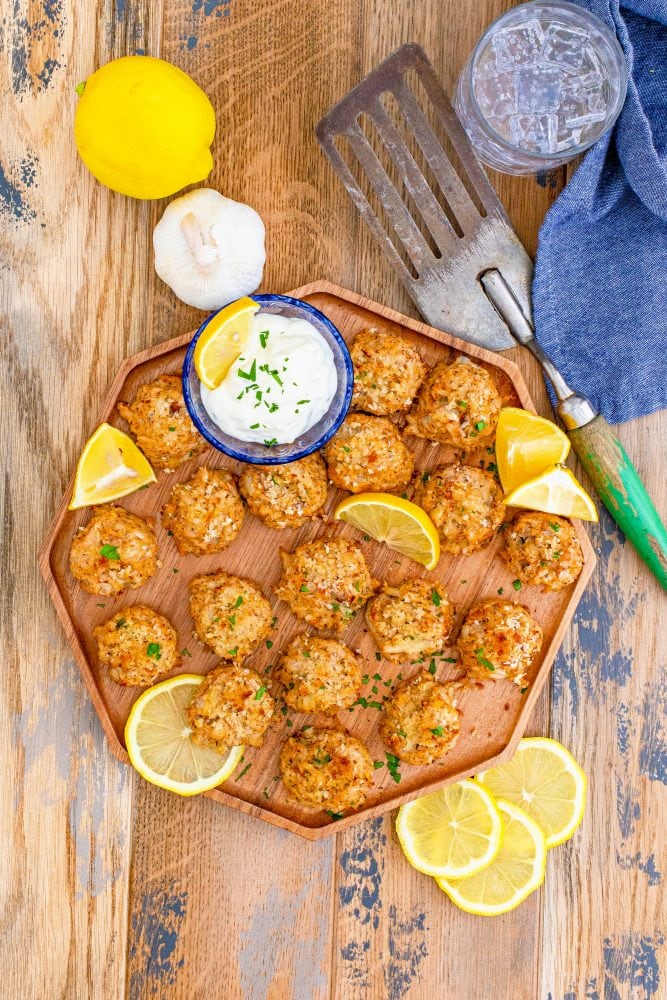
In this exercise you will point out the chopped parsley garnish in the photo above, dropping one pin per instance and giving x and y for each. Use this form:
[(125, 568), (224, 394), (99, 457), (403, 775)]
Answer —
[(121, 623), (438, 731), (481, 658), (154, 650), (378, 656), (393, 764), (244, 771), (554, 527), (378, 763), (431, 667), (367, 538), (271, 442), (364, 679), (557, 555), (231, 621), (346, 449), (260, 692), (480, 425), (302, 402), (253, 427), (435, 597), (357, 586), (377, 677), (401, 732), (425, 477), (110, 552), (304, 588), (269, 644), (251, 375), (462, 403), (239, 601), (233, 652), (334, 815), (523, 690), (320, 761), (516, 584), (449, 659), (501, 590), (186, 652), (172, 428), (263, 337)]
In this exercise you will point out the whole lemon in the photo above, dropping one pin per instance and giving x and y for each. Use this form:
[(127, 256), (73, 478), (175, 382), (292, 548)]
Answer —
[(143, 127)]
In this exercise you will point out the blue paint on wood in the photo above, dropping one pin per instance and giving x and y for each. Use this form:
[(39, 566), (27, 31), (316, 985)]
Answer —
[(156, 923), (34, 46), (216, 8), (648, 866), (120, 7), (624, 728), (192, 42), (653, 736), (407, 949), (628, 810), (631, 966), (363, 866), (14, 203)]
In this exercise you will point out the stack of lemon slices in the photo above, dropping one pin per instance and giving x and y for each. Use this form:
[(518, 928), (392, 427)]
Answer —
[(485, 840)]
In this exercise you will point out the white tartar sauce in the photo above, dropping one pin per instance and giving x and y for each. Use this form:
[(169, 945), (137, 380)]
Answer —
[(280, 386)]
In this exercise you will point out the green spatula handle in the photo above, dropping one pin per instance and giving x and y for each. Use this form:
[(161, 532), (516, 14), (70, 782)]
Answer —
[(622, 492)]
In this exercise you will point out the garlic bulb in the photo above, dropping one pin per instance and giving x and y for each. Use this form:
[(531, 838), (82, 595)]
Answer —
[(209, 249)]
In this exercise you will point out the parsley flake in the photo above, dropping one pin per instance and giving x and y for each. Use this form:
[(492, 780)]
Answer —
[(481, 658), (110, 552), (154, 650)]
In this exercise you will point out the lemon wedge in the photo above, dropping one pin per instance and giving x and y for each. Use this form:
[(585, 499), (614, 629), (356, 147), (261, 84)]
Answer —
[(399, 523), (554, 491), (450, 833), (516, 871), (526, 445), (544, 780), (223, 340), (110, 467), (158, 740)]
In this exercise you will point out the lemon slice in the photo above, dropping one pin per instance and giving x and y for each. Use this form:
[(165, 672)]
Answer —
[(526, 445), (544, 779), (555, 491), (110, 467), (451, 833), (157, 737), (399, 523), (223, 340), (516, 871)]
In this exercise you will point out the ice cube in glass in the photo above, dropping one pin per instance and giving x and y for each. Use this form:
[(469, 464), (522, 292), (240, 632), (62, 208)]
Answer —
[(518, 46), (537, 88), (565, 47), (537, 132), (495, 95)]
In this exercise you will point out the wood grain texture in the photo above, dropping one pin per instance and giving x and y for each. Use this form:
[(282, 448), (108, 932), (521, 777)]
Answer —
[(493, 716), (215, 903)]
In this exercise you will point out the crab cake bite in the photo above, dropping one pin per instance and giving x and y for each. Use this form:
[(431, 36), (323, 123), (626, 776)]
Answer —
[(161, 424), (137, 646), (326, 769), (231, 615), (285, 496), (233, 707), (420, 721), (458, 404), (368, 454), (388, 371), (411, 620), (114, 551), (543, 550), (326, 582), (205, 514), (320, 675), (465, 504), (498, 639)]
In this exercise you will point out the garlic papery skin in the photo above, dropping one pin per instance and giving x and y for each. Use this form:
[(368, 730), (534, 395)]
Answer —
[(209, 249)]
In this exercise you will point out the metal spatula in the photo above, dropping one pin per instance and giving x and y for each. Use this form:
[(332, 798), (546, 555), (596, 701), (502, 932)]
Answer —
[(451, 243)]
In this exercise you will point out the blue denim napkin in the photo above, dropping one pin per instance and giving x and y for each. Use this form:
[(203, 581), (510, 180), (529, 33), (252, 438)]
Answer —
[(600, 288)]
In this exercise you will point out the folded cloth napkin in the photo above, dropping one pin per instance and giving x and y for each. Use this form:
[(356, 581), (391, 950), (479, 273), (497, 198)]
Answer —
[(600, 288)]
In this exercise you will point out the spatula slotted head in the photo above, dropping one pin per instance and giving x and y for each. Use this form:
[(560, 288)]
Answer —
[(433, 211)]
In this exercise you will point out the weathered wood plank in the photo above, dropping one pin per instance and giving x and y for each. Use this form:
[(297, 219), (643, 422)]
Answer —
[(71, 309)]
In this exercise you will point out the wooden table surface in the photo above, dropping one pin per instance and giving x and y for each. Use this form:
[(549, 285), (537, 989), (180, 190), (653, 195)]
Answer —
[(110, 887)]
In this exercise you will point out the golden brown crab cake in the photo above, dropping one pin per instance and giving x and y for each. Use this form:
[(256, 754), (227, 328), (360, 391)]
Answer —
[(465, 504), (320, 675), (497, 640), (232, 707), (388, 371), (286, 496), (114, 551), (542, 550), (231, 615), (326, 769), (458, 404), (412, 620), (137, 646), (160, 422), (204, 514), (420, 721), (326, 582), (368, 454)]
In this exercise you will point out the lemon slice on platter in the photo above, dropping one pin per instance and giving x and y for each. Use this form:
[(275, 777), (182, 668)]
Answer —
[(526, 445), (544, 780), (516, 871), (110, 467), (399, 523), (555, 491), (451, 833), (223, 340), (159, 743)]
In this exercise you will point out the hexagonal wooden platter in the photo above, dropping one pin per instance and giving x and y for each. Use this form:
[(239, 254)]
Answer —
[(494, 715)]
